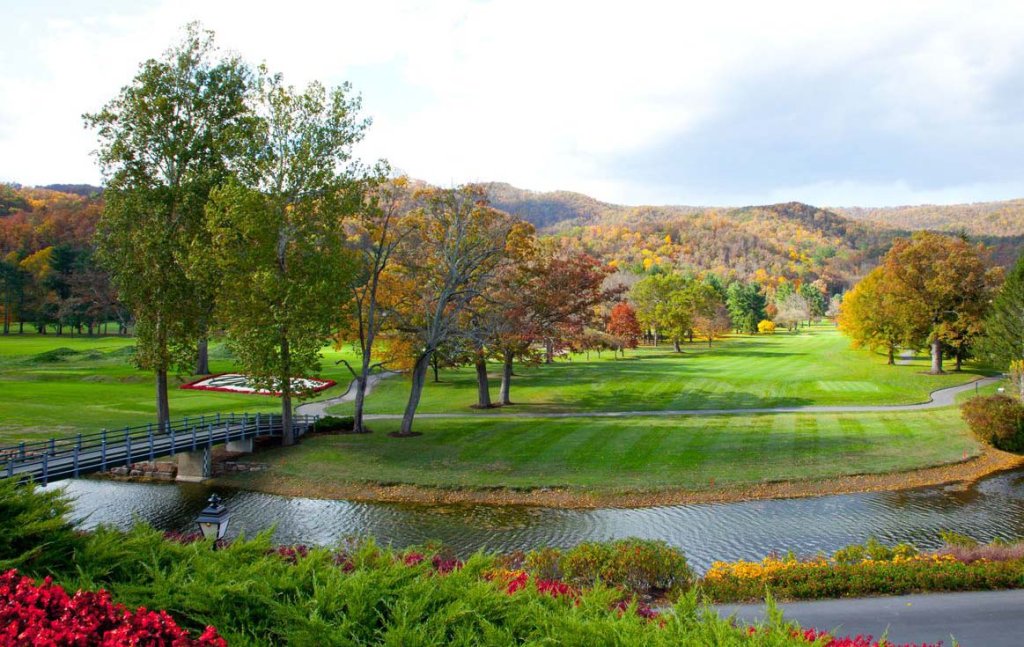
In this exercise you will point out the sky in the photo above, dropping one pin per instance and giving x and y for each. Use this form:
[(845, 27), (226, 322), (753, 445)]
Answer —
[(701, 103)]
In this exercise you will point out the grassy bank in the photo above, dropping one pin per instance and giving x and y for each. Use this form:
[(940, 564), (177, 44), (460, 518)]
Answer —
[(606, 456)]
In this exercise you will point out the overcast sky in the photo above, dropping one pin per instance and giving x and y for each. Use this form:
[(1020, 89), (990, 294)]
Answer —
[(724, 103)]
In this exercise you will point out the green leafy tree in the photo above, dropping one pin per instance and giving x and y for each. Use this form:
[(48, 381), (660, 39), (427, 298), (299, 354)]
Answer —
[(666, 304), (164, 142), (817, 304), (1003, 342), (746, 306), (278, 240)]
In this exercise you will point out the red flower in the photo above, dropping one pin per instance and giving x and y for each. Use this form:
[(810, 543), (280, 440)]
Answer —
[(44, 614)]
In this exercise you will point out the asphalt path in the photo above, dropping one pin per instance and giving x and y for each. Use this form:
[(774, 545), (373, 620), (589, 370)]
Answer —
[(973, 619), (939, 398), (319, 407)]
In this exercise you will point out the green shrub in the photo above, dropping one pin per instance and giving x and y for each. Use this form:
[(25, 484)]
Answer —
[(996, 420), (329, 424), (641, 566), (872, 550), (35, 532), (367, 595), (955, 539), (544, 563)]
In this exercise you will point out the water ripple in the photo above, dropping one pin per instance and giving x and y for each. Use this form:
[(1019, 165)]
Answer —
[(744, 530)]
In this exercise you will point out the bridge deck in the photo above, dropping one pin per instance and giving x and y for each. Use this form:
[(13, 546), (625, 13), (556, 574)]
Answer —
[(61, 458)]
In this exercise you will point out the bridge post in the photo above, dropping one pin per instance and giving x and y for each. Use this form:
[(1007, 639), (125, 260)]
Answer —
[(152, 454), (103, 451), (195, 467), (128, 448), (241, 444)]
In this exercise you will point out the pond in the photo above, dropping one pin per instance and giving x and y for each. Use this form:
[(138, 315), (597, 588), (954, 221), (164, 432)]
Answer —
[(991, 508)]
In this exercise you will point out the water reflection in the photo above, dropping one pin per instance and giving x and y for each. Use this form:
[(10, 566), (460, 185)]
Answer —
[(748, 530)]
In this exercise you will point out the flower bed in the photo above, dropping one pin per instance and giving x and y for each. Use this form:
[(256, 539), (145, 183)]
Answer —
[(864, 570), (44, 614), (237, 383)]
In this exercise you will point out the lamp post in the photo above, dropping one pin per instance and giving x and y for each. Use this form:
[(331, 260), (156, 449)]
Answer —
[(213, 520)]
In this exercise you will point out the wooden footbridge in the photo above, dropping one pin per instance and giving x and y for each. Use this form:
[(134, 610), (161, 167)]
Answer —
[(192, 439)]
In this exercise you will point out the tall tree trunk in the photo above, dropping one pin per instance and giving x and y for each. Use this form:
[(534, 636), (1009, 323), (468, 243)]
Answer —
[(361, 381), (506, 377), (675, 345), (959, 361), (419, 375), (203, 356), (655, 337), (892, 356), (549, 351), (433, 365), (483, 385), (287, 431), (163, 408), (936, 357)]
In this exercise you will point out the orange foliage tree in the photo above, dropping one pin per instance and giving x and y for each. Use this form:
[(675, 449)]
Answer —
[(622, 324)]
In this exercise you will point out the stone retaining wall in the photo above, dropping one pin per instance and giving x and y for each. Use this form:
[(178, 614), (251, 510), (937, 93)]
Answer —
[(168, 470)]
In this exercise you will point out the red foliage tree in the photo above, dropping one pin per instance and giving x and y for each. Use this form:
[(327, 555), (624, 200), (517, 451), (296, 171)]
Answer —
[(623, 325)]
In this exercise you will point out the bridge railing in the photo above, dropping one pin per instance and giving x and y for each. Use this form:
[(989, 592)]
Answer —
[(99, 451)]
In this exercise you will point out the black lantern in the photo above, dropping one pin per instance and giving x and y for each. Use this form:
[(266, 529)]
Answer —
[(213, 520)]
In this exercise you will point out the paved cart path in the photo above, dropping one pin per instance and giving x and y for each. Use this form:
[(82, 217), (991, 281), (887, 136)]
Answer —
[(319, 408), (939, 398), (974, 619)]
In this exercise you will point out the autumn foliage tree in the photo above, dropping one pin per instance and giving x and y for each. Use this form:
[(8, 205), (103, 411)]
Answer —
[(622, 325), (946, 281), (373, 233), (455, 244), (875, 315)]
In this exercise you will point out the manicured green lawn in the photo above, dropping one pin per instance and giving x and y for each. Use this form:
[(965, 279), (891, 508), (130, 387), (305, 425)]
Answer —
[(652, 453), (813, 367), (54, 386)]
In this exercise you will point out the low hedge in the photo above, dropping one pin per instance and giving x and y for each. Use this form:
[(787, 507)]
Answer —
[(867, 570)]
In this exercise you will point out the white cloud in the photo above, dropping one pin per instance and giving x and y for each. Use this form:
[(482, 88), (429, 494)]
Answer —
[(552, 94)]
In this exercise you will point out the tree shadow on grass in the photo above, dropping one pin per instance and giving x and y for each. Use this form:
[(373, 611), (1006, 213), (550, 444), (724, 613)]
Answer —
[(612, 400)]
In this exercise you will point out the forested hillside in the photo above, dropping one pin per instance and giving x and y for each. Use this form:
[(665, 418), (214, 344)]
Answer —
[(979, 218), (761, 243), (48, 276)]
